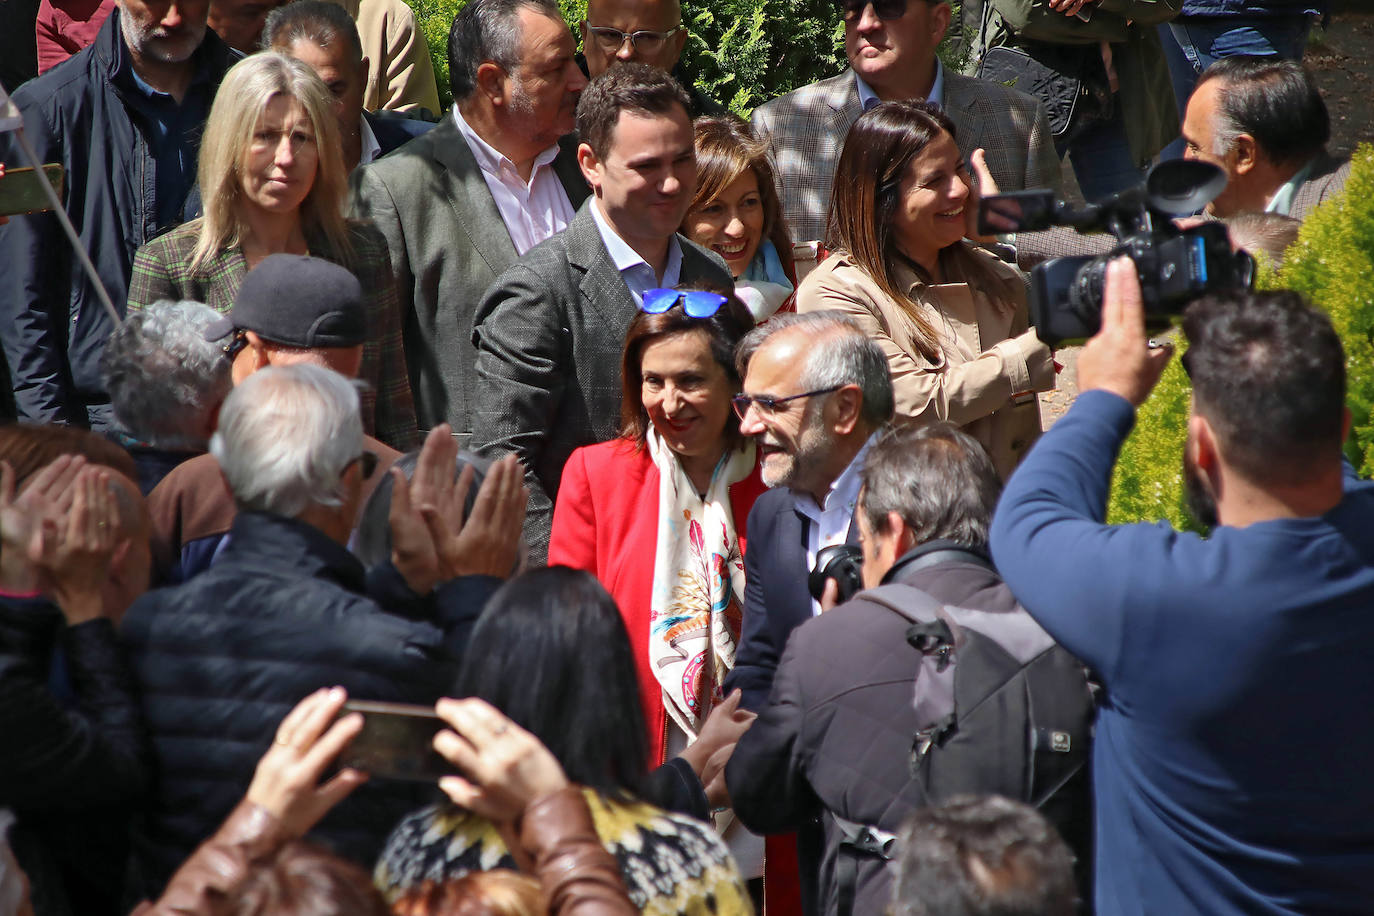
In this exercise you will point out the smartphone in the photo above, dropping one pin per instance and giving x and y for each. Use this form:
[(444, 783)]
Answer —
[(397, 742), (21, 190)]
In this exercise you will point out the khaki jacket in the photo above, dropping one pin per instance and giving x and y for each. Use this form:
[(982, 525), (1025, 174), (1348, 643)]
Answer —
[(400, 74), (987, 352)]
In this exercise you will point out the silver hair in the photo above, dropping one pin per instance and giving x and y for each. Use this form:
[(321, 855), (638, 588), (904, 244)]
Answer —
[(163, 376), (286, 435), (937, 478), (842, 354), (488, 30)]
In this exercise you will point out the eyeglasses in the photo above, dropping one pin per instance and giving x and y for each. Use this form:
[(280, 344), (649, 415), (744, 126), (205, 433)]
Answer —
[(883, 9), (610, 40), (235, 344), (771, 406), (367, 462), (697, 303)]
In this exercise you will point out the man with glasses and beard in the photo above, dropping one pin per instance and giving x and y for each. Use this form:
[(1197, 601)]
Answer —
[(890, 45), (1230, 759)]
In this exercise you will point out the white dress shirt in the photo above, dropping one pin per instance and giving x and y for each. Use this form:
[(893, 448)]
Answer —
[(371, 148), (828, 524), (634, 270), (532, 211)]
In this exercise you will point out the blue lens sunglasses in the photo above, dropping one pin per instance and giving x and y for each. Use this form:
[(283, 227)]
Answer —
[(697, 303)]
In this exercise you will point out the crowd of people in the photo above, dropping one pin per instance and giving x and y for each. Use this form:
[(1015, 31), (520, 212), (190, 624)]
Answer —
[(585, 500)]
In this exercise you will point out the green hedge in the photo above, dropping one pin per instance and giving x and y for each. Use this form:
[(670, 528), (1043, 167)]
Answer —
[(1332, 264), (740, 52)]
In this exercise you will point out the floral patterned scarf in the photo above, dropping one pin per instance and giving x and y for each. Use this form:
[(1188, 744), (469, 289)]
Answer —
[(696, 604)]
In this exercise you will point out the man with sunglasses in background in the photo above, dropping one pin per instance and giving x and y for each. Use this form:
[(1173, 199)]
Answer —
[(890, 46), (550, 330), (648, 31)]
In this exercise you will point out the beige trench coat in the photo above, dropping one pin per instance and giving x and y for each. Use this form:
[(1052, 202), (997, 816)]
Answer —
[(988, 355)]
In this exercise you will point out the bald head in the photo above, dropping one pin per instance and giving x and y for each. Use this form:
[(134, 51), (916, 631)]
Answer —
[(659, 44)]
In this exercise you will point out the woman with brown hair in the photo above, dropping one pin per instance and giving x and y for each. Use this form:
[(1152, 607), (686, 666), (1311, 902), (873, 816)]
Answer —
[(736, 213), (950, 316)]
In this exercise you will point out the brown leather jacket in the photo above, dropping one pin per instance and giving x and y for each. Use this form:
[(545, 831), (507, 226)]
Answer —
[(578, 876)]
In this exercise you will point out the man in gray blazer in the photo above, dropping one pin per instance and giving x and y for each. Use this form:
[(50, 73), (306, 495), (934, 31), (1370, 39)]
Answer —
[(1262, 121), (891, 45), (550, 331), (460, 204)]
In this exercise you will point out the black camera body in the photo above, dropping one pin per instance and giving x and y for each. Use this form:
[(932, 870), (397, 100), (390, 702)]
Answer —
[(1175, 266), (842, 562)]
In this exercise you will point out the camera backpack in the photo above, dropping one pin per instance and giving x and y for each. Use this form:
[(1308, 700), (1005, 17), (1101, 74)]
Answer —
[(1004, 710)]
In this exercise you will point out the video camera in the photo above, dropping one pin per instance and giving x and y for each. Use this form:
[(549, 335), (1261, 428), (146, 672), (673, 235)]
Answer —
[(1175, 265)]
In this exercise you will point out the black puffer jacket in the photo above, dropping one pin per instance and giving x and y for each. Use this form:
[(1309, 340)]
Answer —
[(222, 659), (55, 326)]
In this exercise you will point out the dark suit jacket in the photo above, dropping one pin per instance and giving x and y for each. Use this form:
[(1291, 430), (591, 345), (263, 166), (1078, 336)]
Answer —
[(776, 599), (394, 130), (548, 336), (448, 243)]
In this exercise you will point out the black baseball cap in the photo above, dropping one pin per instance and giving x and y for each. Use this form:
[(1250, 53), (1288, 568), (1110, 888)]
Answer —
[(298, 301)]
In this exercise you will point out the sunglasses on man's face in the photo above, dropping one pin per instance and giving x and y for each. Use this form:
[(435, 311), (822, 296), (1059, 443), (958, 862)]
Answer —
[(883, 9), (697, 303)]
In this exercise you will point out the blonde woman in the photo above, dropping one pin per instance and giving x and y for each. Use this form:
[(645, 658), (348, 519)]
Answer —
[(272, 179)]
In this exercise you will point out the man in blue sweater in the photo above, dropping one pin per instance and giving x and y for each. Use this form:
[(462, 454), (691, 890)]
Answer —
[(1232, 756)]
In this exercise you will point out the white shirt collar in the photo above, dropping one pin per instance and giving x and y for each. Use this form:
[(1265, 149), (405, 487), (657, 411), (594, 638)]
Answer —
[(843, 495), (371, 149), (1282, 201), (492, 160), (626, 260), (868, 98)]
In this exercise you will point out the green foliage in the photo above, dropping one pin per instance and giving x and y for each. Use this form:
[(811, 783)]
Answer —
[(1330, 264), (740, 52)]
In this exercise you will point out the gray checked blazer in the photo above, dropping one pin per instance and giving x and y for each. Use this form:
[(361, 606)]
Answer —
[(448, 243), (1328, 178), (807, 128), (548, 335)]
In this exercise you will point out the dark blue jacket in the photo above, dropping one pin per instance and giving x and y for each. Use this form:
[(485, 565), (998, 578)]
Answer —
[(1231, 758), (394, 130), (1253, 8), (776, 599), (54, 324), (222, 659)]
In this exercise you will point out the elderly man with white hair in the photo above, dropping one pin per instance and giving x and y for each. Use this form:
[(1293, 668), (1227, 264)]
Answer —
[(283, 612), (166, 382)]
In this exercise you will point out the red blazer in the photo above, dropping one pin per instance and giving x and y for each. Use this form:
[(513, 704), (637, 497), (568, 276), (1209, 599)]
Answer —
[(606, 522)]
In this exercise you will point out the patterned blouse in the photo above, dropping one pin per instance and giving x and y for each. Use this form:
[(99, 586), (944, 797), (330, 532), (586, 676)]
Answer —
[(671, 864), (162, 271)]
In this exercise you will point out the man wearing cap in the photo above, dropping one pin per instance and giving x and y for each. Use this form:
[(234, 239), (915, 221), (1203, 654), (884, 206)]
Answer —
[(291, 309)]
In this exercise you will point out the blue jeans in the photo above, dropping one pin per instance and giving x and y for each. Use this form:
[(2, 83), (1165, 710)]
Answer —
[(1101, 158), (1194, 43)]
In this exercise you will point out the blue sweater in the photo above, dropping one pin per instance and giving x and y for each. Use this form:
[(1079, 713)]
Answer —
[(1234, 756)]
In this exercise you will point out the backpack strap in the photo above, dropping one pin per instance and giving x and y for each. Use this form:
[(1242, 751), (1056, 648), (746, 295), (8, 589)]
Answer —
[(857, 840)]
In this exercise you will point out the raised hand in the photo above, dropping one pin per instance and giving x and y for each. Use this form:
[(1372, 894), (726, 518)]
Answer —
[(488, 541), (287, 780), (505, 766), (74, 565), (32, 516)]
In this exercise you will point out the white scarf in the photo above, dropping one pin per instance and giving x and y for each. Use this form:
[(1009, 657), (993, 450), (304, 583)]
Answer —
[(696, 605)]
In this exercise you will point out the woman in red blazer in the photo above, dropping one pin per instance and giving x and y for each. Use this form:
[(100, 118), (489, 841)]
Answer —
[(678, 374)]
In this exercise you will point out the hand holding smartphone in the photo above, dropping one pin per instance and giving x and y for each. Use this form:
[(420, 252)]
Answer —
[(396, 742)]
